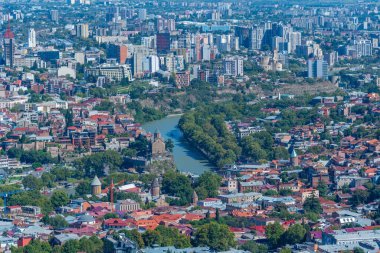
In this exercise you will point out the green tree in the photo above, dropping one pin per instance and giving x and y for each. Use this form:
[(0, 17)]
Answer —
[(59, 198), (99, 163), (71, 246), (358, 250), (295, 234), (312, 204), (359, 197), (36, 246), (322, 188), (178, 185), (31, 182), (285, 250), (254, 247), (216, 236), (110, 216), (83, 188), (151, 237), (274, 233), (135, 236), (209, 183), (172, 237), (169, 145), (56, 222), (90, 245)]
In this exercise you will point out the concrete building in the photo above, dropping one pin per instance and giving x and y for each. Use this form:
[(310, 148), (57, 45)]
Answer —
[(294, 41), (127, 205), (9, 47), (115, 72), (54, 16), (118, 52), (142, 14), (317, 69), (163, 43), (233, 67), (32, 41), (82, 31)]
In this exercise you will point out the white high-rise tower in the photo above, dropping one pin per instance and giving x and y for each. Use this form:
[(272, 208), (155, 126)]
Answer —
[(32, 41)]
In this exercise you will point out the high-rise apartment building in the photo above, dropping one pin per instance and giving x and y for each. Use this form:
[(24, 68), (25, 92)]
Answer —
[(295, 39), (32, 40), (233, 66), (82, 31), (317, 69), (118, 52), (163, 43), (54, 16), (142, 14), (256, 39), (9, 47)]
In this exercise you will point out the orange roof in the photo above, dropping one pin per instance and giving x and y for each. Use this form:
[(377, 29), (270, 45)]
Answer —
[(23, 241), (370, 170), (193, 217), (167, 217), (146, 223)]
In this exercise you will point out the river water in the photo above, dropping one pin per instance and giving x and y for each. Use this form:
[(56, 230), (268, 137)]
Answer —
[(186, 157)]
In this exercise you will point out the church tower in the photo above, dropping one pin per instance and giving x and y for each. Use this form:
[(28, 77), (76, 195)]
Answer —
[(194, 198), (155, 191), (294, 158), (96, 186)]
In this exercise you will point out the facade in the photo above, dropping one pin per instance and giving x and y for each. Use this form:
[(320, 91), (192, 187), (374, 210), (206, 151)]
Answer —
[(294, 40), (240, 197), (127, 205), (182, 79), (9, 48), (341, 237), (317, 69), (142, 14), (54, 16), (233, 67), (114, 72), (158, 145), (163, 43), (257, 36), (363, 48), (118, 52), (139, 55), (32, 41), (82, 31)]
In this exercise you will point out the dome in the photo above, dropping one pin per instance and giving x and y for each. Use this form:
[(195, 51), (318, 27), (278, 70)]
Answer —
[(96, 182)]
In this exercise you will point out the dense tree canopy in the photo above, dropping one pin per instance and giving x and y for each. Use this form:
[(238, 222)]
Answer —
[(216, 236), (99, 163), (177, 185)]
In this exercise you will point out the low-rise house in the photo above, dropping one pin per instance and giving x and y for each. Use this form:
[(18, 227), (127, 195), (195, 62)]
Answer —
[(240, 197)]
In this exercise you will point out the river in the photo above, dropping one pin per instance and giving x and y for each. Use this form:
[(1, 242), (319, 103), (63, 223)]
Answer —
[(186, 157)]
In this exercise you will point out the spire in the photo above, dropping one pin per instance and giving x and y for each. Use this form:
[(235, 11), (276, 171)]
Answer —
[(195, 198), (8, 33), (155, 183), (96, 182), (293, 154)]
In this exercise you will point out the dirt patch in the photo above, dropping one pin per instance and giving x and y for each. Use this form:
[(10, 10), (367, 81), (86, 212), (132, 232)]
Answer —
[(312, 89)]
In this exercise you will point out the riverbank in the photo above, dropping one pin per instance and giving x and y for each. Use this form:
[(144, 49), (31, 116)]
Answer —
[(186, 157)]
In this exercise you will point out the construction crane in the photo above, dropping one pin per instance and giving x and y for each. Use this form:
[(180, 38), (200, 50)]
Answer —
[(6, 195)]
